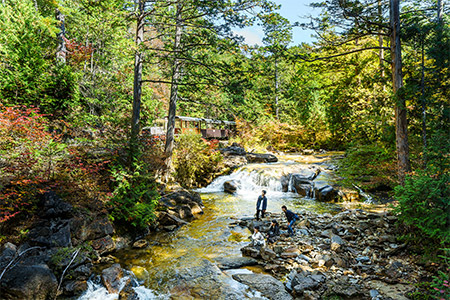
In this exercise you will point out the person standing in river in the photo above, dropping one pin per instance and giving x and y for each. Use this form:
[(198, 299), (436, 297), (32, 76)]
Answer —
[(291, 218), (261, 205)]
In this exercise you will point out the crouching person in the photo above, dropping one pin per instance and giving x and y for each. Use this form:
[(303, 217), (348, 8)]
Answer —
[(257, 238), (274, 232)]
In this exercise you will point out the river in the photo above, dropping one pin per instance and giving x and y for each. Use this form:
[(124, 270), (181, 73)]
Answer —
[(159, 269)]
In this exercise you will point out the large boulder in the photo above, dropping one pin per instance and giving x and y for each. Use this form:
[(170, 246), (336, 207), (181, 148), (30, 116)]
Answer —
[(233, 150), (230, 186), (305, 176), (265, 284), (260, 158), (51, 206), (225, 263), (28, 282), (326, 193), (51, 234)]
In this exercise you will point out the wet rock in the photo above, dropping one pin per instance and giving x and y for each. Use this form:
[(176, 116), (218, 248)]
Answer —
[(265, 284), (225, 263), (196, 209), (28, 282), (111, 278), (233, 162), (326, 193), (260, 158), (166, 219), (140, 244), (185, 212), (230, 186), (74, 287)]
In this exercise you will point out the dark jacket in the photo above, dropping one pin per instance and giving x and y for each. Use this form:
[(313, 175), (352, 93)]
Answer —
[(274, 230), (290, 215), (264, 200)]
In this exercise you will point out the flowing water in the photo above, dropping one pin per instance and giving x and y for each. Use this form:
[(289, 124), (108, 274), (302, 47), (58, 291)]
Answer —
[(161, 268)]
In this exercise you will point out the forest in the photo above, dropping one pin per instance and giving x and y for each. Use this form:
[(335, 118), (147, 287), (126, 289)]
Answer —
[(80, 79)]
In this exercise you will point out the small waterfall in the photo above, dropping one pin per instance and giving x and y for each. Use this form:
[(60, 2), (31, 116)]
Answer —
[(248, 180), (291, 187), (368, 198)]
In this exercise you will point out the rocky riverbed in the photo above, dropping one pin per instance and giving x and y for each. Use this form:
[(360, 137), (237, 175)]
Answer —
[(350, 255)]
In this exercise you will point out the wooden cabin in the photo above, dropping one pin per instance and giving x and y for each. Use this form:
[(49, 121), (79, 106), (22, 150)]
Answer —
[(208, 128)]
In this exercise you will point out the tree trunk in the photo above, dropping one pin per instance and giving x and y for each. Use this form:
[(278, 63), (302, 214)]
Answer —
[(440, 7), (276, 89), (61, 50), (137, 85), (380, 41), (176, 76), (401, 127), (424, 112)]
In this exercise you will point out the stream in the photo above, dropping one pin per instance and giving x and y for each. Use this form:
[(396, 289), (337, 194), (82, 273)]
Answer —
[(176, 264)]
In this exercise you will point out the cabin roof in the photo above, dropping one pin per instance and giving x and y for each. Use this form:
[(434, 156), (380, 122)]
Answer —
[(209, 121)]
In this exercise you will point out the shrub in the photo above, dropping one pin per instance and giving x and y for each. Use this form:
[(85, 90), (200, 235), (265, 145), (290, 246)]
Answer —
[(195, 160), (134, 198), (423, 201), (28, 150)]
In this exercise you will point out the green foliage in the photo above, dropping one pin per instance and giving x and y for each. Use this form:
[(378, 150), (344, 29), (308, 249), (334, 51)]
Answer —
[(134, 198), (195, 160), (369, 166), (423, 201)]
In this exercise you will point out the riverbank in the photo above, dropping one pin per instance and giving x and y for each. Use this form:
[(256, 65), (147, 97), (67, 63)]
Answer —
[(354, 254)]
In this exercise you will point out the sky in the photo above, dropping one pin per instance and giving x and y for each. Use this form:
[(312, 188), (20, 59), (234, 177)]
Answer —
[(294, 11)]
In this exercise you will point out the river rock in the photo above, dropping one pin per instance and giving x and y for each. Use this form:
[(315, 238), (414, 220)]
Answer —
[(265, 284), (260, 158), (268, 254), (74, 287), (234, 150), (166, 219), (250, 251), (103, 245), (111, 278), (225, 263), (139, 244), (204, 280), (185, 212), (300, 283), (326, 193), (305, 176), (28, 282), (233, 162), (230, 186)]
